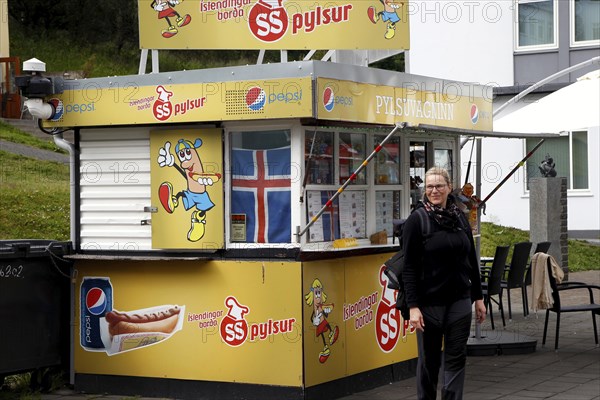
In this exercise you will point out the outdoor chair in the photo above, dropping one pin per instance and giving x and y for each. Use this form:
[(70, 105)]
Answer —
[(541, 247), (492, 282), (558, 307), (516, 274)]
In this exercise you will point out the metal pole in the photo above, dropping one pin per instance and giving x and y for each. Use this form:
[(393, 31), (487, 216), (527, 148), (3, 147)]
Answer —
[(520, 164), (478, 194), (351, 178), (469, 166)]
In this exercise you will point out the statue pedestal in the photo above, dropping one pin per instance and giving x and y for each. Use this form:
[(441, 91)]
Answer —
[(548, 217)]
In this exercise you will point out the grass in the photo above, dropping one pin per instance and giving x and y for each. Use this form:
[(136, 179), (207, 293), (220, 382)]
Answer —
[(583, 256), (34, 197), (12, 134)]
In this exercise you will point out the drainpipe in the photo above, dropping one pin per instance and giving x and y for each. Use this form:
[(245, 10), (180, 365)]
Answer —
[(70, 148)]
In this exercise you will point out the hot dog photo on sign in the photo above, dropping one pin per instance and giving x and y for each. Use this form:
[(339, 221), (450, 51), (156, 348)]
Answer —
[(123, 331)]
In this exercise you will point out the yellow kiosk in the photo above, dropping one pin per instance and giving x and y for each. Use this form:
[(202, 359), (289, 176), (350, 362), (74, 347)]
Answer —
[(192, 190), (216, 256)]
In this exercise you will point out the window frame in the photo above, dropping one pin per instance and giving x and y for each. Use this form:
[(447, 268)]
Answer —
[(370, 187), (572, 41), (295, 215), (570, 180), (529, 48)]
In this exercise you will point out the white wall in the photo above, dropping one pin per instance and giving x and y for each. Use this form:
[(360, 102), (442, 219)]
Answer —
[(509, 206), (468, 41)]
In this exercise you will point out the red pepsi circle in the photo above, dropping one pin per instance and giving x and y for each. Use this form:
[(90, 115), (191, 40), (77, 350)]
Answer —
[(256, 98), (328, 99)]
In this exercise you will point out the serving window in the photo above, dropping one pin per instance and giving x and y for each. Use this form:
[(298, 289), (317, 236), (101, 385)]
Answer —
[(372, 199)]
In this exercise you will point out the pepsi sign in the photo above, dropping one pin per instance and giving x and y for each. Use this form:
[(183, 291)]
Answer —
[(256, 98)]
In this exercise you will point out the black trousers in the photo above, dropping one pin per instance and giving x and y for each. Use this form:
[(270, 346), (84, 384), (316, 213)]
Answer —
[(450, 325)]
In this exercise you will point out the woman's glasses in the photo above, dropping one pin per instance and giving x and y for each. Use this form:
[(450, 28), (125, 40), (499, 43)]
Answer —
[(438, 187)]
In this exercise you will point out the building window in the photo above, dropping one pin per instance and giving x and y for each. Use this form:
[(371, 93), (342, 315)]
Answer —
[(568, 154), (536, 24), (585, 22)]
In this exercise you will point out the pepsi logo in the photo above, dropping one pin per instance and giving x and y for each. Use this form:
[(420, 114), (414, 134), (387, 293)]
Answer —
[(328, 99), (256, 98), (57, 104), (474, 114), (96, 301)]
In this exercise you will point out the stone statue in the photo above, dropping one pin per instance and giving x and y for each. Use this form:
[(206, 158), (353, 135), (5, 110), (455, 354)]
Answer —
[(547, 167)]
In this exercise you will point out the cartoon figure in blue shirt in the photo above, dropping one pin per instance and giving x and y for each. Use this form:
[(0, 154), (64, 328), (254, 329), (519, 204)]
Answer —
[(389, 15), (190, 167)]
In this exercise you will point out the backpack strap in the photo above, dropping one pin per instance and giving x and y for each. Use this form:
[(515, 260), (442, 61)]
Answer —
[(424, 222)]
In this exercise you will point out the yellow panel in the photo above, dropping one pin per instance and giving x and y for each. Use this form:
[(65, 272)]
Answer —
[(323, 360), (455, 107), (89, 105), (376, 333), (371, 331), (242, 320), (274, 24)]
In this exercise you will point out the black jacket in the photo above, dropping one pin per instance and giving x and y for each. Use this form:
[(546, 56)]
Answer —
[(442, 267)]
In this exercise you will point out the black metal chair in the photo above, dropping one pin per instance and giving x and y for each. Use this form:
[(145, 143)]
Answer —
[(492, 282), (560, 308), (541, 247), (516, 274)]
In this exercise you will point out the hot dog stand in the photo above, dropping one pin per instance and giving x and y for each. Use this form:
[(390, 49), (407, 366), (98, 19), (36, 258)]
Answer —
[(229, 225), (191, 193)]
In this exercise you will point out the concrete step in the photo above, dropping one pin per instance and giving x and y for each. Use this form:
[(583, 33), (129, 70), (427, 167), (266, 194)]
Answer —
[(30, 126)]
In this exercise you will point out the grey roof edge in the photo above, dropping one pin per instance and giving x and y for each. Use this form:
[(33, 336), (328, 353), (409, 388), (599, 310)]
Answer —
[(290, 70)]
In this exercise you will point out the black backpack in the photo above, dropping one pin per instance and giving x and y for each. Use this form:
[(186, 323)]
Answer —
[(394, 266)]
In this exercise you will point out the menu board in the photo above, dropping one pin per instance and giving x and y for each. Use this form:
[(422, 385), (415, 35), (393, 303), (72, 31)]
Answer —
[(352, 214), (344, 218), (327, 227), (384, 211)]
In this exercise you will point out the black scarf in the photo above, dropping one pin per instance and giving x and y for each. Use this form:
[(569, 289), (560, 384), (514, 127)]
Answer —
[(448, 218)]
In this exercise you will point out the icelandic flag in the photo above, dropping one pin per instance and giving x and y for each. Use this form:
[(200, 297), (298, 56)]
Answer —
[(261, 181)]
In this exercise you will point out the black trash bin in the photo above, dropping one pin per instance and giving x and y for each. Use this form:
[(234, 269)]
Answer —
[(34, 305)]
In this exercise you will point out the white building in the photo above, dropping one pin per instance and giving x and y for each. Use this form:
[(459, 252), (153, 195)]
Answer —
[(512, 45)]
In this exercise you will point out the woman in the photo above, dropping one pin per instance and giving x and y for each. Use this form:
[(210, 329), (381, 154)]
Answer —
[(441, 280)]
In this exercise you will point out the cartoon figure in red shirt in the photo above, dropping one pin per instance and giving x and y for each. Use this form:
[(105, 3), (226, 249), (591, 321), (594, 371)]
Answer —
[(316, 298), (165, 10)]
